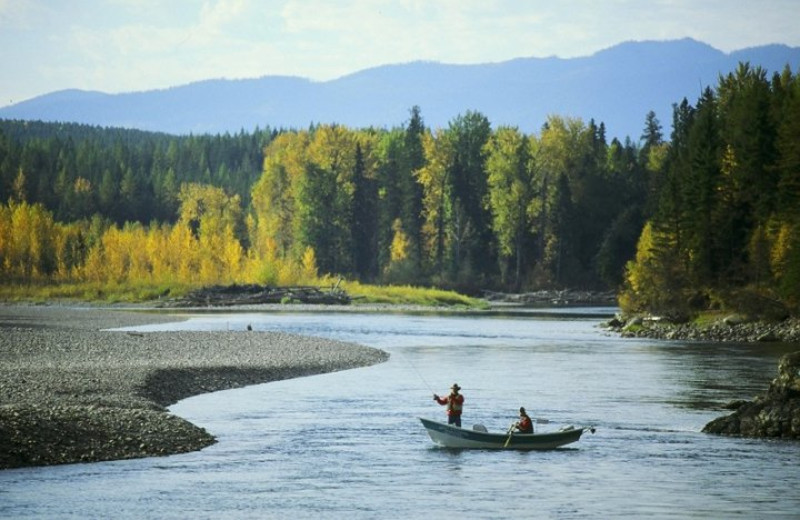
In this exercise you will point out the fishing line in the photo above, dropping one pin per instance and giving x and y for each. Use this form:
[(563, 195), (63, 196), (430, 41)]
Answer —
[(416, 371)]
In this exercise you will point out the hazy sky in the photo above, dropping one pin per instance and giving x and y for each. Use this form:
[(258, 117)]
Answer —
[(127, 45)]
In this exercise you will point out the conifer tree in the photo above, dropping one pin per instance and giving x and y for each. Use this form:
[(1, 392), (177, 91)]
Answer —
[(473, 240), (365, 224), (412, 159)]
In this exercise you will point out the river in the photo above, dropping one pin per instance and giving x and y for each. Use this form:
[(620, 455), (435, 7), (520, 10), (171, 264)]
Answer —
[(349, 444)]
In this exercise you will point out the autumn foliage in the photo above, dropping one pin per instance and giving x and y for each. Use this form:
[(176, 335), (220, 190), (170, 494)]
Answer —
[(708, 217)]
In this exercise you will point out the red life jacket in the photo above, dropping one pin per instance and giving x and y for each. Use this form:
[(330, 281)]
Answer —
[(525, 425), (454, 403)]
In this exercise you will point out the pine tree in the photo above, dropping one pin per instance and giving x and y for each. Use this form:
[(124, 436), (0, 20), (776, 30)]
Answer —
[(748, 133), (411, 191), (365, 224), (475, 248), (700, 183)]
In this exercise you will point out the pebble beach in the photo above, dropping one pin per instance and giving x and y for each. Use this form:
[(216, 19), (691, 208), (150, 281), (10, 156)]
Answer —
[(73, 391)]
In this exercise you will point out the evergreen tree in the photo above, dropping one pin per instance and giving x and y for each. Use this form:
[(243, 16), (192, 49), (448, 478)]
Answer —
[(700, 184), (130, 191), (390, 203), (474, 243), (365, 224), (412, 159), (788, 150), (748, 133), (652, 135)]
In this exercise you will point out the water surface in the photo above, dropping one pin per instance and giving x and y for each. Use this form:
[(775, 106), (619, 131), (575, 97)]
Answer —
[(349, 445)]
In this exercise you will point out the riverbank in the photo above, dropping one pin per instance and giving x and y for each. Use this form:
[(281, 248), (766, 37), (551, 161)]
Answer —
[(71, 391), (730, 328), (776, 414)]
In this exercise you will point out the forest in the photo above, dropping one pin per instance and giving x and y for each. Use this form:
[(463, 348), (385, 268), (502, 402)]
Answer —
[(705, 217)]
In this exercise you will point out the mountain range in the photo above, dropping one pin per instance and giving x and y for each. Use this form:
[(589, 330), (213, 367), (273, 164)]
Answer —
[(617, 86)]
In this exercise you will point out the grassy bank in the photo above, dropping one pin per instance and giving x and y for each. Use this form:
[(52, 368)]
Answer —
[(408, 295), (145, 293), (91, 292)]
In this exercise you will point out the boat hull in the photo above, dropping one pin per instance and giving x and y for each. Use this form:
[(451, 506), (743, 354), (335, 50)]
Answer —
[(449, 436)]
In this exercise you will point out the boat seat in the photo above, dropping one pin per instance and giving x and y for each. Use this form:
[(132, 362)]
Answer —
[(480, 428)]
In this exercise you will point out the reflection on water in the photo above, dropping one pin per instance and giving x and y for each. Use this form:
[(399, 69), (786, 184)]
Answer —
[(349, 444), (710, 375)]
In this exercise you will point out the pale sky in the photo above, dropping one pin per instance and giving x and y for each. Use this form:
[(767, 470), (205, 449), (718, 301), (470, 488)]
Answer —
[(129, 45)]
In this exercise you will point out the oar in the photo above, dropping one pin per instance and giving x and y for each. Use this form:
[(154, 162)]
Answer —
[(510, 433)]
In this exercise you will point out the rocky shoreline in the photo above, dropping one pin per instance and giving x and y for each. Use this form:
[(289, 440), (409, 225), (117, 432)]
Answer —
[(71, 391), (776, 414), (730, 328)]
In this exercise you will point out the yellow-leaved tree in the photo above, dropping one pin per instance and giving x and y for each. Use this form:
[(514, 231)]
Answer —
[(653, 280), (27, 242), (439, 151), (400, 268), (156, 251), (510, 178), (309, 266), (181, 253), (213, 216)]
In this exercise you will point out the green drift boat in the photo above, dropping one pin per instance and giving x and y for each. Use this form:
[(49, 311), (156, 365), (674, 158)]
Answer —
[(449, 436)]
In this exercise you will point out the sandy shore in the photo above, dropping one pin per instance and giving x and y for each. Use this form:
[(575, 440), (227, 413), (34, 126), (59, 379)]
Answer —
[(73, 392)]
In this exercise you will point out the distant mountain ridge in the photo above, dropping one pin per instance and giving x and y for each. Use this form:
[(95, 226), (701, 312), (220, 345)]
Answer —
[(616, 86)]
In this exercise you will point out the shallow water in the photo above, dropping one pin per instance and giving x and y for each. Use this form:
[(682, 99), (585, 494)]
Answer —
[(349, 444)]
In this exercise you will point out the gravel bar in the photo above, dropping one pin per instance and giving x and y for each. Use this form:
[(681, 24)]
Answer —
[(71, 391)]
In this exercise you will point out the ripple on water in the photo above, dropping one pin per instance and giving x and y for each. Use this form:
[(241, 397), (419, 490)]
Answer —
[(349, 445)]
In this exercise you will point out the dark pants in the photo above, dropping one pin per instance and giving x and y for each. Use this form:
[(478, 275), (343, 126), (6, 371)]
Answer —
[(454, 419)]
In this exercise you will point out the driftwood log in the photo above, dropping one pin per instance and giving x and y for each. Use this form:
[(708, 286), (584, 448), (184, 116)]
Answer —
[(253, 294)]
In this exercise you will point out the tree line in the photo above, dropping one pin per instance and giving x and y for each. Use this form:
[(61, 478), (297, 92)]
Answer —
[(78, 171), (680, 223), (725, 229), (464, 207)]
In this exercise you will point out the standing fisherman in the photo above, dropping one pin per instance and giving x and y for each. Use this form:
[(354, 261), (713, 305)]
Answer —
[(454, 402)]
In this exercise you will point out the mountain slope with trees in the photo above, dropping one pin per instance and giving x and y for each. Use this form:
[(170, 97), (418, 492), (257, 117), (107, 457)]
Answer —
[(470, 206)]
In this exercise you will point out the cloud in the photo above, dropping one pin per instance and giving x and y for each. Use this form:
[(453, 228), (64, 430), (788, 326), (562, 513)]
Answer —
[(124, 45), (348, 36), (215, 15), (17, 16)]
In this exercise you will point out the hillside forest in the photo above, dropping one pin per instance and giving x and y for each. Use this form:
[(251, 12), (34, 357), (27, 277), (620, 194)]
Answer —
[(705, 216)]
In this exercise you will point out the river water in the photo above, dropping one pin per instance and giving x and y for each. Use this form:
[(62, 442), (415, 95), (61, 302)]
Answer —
[(349, 444)]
